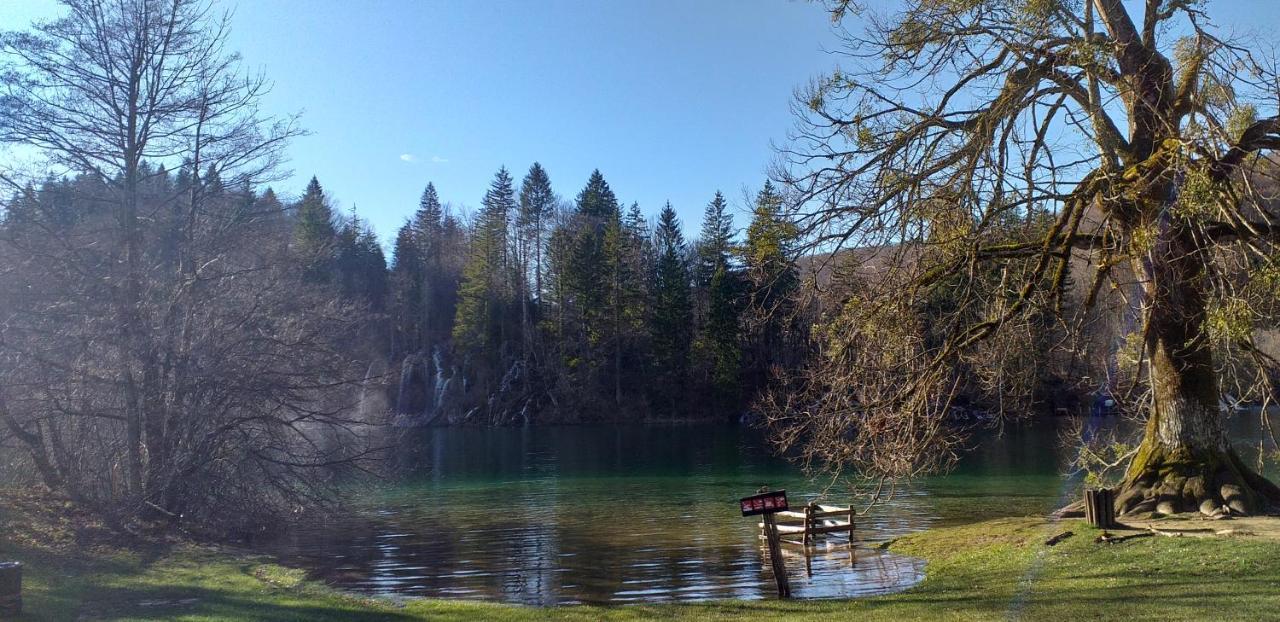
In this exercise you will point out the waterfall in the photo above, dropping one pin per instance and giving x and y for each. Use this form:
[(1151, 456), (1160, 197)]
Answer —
[(406, 374), (441, 382), (364, 391)]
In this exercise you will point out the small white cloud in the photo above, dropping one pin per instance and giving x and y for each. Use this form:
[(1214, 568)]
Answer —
[(435, 159), (408, 157)]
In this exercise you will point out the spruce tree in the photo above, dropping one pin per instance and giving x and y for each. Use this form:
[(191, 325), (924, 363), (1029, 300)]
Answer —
[(715, 242), (772, 279), (407, 284), (672, 314), (427, 221), (428, 229), (718, 290), (597, 200), (315, 233), (768, 252), (588, 285), (484, 294), (718, 345), (360, 264), (537, 204)]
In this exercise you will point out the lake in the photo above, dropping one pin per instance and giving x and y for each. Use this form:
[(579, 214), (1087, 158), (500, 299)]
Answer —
[(618, 514)]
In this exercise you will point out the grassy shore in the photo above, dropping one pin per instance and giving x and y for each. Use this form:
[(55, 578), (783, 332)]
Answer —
[(998, 569)]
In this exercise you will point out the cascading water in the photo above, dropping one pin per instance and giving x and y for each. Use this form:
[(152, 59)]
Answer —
[(406, 374), (361, 406), (441, 382)]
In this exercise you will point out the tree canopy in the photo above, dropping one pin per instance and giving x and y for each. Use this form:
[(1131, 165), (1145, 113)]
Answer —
[(993, 154)]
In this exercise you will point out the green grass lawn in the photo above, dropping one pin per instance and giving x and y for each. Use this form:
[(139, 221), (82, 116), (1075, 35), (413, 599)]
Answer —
[(996, 569)]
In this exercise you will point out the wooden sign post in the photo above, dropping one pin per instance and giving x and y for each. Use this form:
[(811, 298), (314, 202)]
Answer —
[(766, 503)]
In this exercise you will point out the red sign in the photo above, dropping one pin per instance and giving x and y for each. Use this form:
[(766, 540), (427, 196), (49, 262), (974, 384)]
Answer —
[(764, 503)]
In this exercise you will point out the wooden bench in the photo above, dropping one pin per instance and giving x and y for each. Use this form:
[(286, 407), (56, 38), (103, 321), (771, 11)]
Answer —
[(816, 520)]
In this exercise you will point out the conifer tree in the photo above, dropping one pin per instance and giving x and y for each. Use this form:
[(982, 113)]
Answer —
[(360, 263), (407, 284), (537, 202), (672, 314), (428, 220), (772, 278), (588, 285), (315, 230), (715, 242), (597, 200), (485, 292), (717, 346), (769, 249), (428, 228), (627, 269), (314, 233), (718, 290)]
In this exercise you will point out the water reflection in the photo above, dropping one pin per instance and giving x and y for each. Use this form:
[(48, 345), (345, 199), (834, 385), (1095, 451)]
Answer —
[(561, 515)]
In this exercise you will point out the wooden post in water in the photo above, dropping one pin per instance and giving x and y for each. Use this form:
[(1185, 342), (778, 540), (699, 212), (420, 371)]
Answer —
[(765, 504), (10, 589), (851, 515), (808, 523), (775, 556)]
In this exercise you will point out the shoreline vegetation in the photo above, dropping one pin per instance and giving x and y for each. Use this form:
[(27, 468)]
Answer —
[(75, 569)]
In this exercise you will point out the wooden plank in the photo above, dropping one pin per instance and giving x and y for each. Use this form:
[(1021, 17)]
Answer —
[(832, 514), (840, 528), (827, 526), (791, 514), (785, 529)]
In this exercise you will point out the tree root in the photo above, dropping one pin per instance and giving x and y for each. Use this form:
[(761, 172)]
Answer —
[(1215, 484)]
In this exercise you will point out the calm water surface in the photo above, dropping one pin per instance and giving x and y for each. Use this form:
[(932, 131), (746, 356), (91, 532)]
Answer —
[(585, 514)]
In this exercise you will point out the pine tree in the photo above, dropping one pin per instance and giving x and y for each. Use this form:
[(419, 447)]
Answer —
[(537, 203), (360, 264), (314, 233), (427, 221), (718, 289), (407, 285), (770, 247), (672, 314), (772, 279), (588, 285), (718, 347), (427, 228), (626, 270), (715, 242), (485, 291), (597, 200)]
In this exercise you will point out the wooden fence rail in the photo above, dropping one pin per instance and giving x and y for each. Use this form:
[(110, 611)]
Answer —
[(815, 520)]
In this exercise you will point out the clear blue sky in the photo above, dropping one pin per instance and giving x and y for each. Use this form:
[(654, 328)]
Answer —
[(670, 99)]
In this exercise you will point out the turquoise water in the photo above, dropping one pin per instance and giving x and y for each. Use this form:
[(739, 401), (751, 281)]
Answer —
[(616, 514)]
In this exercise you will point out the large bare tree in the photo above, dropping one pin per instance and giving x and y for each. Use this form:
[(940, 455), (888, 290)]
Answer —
[(159, 355), (1005, 164)]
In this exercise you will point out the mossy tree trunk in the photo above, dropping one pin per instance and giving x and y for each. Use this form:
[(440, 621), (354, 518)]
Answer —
[(1185, 462)]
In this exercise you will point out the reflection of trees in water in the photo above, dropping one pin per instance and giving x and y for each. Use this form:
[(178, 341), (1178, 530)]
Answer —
[(554, 515)]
